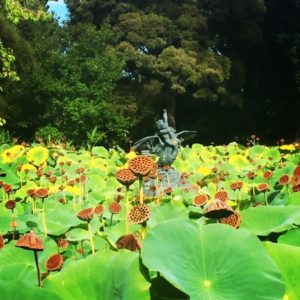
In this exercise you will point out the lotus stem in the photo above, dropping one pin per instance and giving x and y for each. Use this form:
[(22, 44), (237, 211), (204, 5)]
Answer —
[(38, 268), (44, 218), (143, 231), (141, 189), (111, 219), (91, 238), (127, 210)]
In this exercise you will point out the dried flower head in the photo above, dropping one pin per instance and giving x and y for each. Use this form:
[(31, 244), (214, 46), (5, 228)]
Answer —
[(140, 165), (268, 174), (284, 179), (297, 172), (10, 204), (233, 220), (30, 241), (86, 214), (139, 214), (153, 172), (54, 262), (221, 195), (251, 175), (125, 177), (41, 193), (62, 243), (52, 179), (130, 241), (217, 210), (7, 188), (200, 199), (262, 187), (99, 210), (115, 207)]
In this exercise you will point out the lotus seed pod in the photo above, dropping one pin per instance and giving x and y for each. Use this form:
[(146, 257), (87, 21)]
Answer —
[(233, 220), (86, 214), (139, 214), (125, 177), (141, 165), (217, 210)]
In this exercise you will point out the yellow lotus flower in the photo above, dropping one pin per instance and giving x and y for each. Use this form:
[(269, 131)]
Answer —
[(18, 150), (53, 189), (289, 147), (204, 170), (73, 190), (130, 155), (28, 167), (7, 156), (38, 155)]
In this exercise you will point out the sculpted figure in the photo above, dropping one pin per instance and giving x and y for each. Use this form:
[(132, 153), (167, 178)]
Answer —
[(165, 143)]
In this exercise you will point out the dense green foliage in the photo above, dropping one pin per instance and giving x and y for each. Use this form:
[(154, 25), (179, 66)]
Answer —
[(75, 204), (115, 65)]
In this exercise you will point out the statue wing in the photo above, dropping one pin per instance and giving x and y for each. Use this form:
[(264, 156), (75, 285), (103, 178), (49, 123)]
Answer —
[(185, 135), (146, 143)]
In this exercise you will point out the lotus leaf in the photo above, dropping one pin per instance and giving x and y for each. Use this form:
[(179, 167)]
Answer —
[(104, 275), (287, 258), (212, 261), (263, 220)]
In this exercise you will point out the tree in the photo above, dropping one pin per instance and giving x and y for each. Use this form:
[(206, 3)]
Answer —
[(166, 47)]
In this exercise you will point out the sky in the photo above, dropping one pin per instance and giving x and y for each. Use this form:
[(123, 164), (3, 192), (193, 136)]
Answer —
[(59, 8)]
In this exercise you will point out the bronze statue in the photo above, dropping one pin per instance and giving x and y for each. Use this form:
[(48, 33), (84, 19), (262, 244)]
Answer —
[(165, 143)]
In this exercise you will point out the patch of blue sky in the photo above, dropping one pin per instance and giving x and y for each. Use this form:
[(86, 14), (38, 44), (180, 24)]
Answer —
[(59, 9)]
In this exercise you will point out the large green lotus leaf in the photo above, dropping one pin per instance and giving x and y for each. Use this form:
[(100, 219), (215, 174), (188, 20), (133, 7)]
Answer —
[(292, 237), (59, 221), (105, 275), (212, 262), (287, 258), (166, 212), (263, 220), (17, 261), (258, 151), (16, 290), (100, 151)]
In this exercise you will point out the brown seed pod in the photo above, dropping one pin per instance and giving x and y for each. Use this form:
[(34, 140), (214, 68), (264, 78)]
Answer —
[(30, 241), (233, 186), (115, 207), (200, 199), (139, 214), (125, 177), (62, 243), (296, 172), (240, 184), (221, 195), (284, 179), (251, 175), (41, 193), (99, 210), (140, 165), (268, 174), (10, 204), (262, 187), (153, 172), (233, 220), (52, 179), (130, 241), (218, 209), (54, 262), (7, 188), (86, 214)]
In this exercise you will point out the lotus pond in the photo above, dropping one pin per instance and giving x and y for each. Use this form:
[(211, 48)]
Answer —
[(78, 225)]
